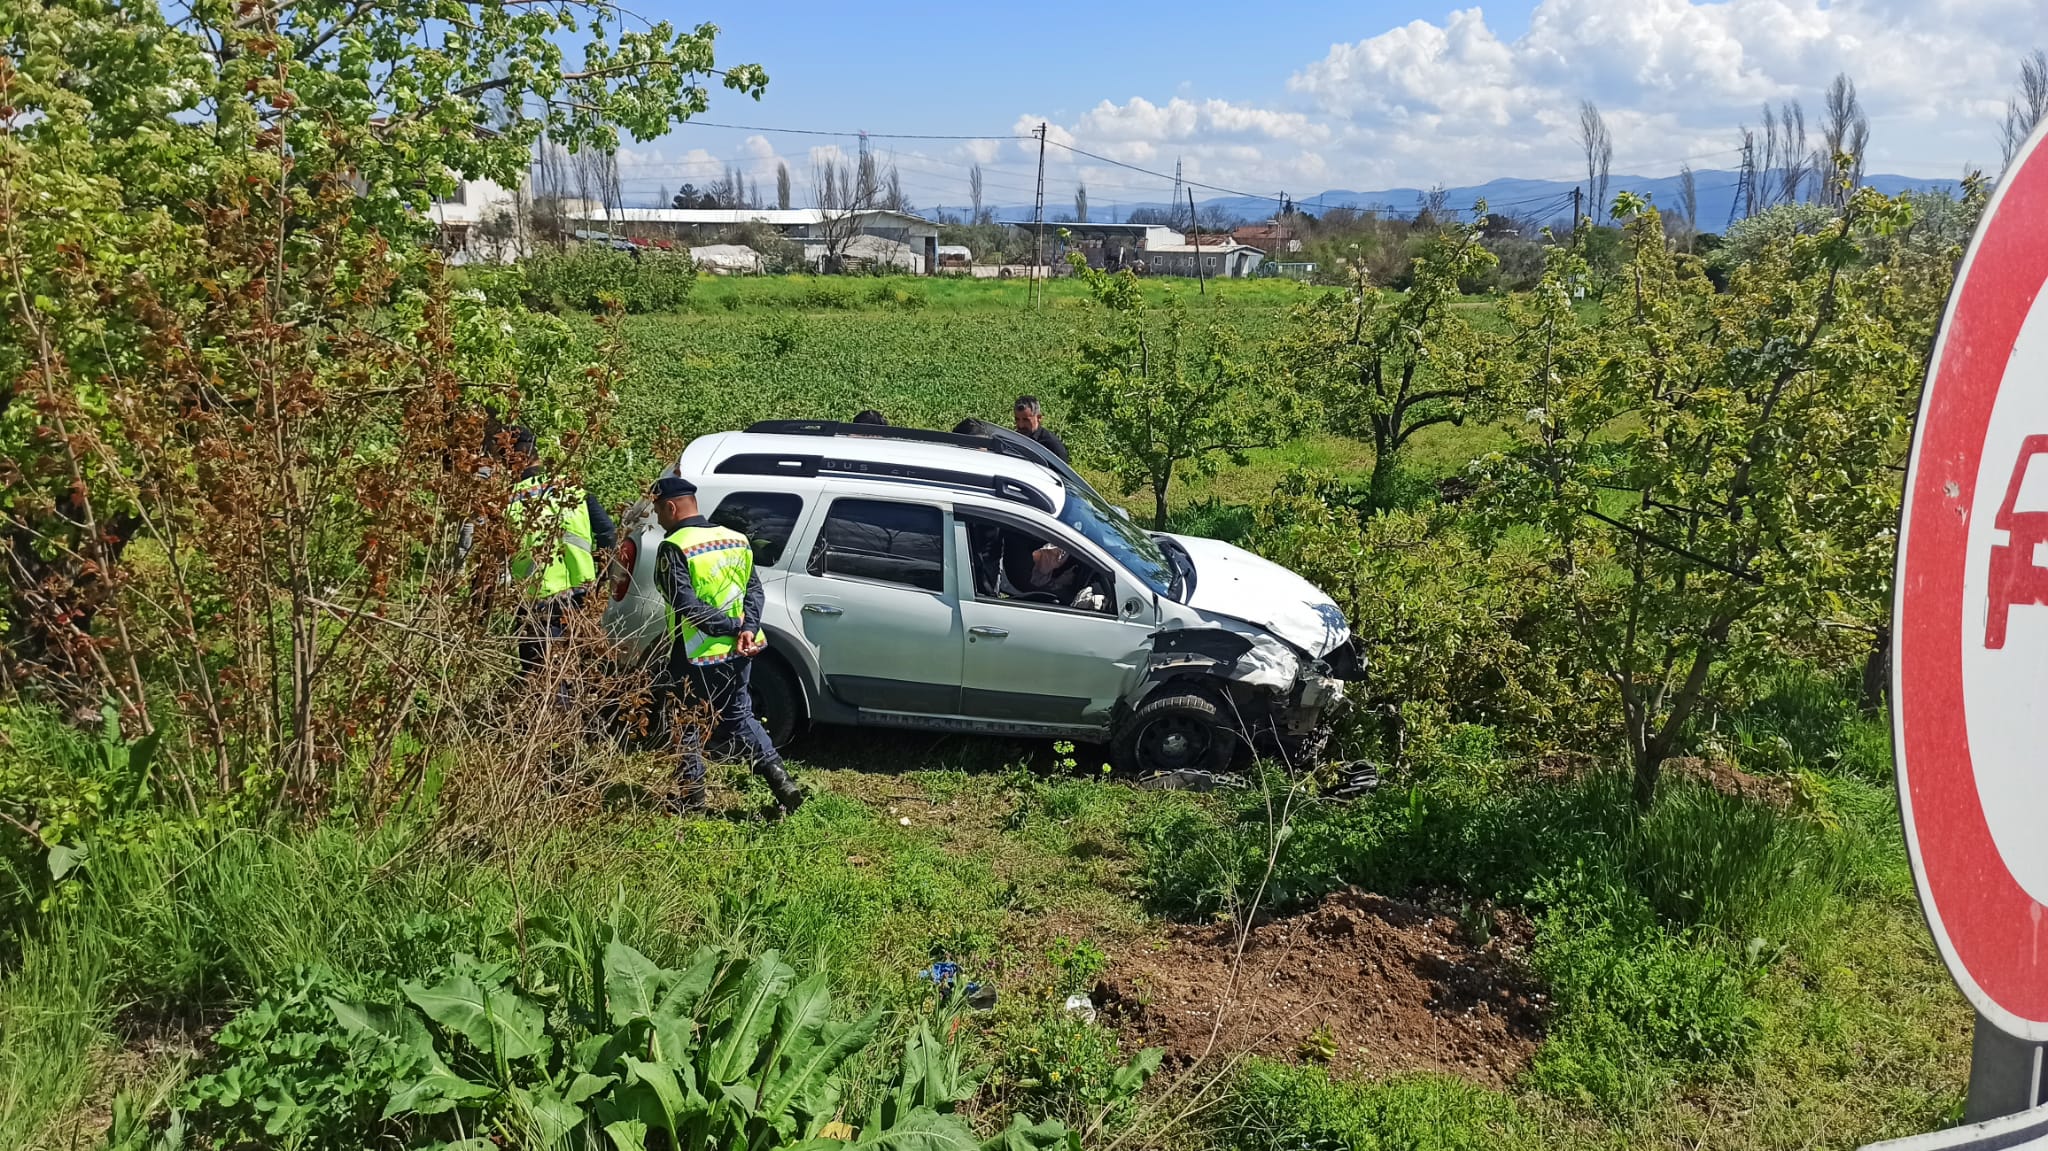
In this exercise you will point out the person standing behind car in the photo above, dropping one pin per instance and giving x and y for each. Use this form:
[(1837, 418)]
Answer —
[(559, 520), (1030, 421), (714, 598)]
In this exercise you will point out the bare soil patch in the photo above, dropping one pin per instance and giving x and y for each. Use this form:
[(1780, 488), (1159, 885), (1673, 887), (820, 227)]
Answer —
[(1361, 982)]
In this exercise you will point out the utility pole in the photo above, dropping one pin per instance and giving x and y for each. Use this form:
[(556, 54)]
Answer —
[(1576, 192), (1038, 218), (1173, 201), (1195, 230)]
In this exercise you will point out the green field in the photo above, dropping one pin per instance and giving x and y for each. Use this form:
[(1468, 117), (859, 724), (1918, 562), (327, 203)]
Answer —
[(974, 349)]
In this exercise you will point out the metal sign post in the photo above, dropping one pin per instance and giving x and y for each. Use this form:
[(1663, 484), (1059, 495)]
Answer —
[(1970, 648)]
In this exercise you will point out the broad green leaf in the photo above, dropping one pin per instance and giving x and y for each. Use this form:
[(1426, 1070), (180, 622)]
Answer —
[(690, 986), (741, 1096), (923, 1130), (496, 1022), (1024, 1135), (1131, 1076), (813, 1069), (676, 1106), (801, 1016), (753, 1011), (63, 859), (627, 1135), (547, 1114), (585, 1085), (432, 1093), (632, 983), (390, 1021)]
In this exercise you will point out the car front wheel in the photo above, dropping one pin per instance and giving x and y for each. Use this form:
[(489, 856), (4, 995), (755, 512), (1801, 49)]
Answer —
[(1183, 731)]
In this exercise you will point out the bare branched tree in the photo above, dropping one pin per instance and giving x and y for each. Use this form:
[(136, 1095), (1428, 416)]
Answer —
[(1846, 133), (549, 182), (1080, 202), (1785, 162), (845, 199), (892, 191), (974, 192), (781, 185), (2028, 106), (1599, 147)]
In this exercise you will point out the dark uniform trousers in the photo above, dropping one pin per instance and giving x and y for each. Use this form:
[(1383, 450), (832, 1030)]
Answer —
[(723, 689)]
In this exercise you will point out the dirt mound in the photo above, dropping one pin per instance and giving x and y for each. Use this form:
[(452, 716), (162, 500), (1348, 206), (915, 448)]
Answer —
[(1360, 982)]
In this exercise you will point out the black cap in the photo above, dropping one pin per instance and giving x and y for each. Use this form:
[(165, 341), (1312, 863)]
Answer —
[(669, 487)]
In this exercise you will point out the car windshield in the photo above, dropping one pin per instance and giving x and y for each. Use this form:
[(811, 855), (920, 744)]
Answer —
[(1087, 513)]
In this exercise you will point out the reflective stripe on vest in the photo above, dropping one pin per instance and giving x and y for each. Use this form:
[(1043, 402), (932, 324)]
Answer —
[(552, 514), (721, 564)]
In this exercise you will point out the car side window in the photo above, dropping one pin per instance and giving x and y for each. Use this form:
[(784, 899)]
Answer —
[(1013, 565), (767, 519), (884, 541)]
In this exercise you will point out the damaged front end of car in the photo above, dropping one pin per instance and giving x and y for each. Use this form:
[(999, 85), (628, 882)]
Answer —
[(1283, 700)]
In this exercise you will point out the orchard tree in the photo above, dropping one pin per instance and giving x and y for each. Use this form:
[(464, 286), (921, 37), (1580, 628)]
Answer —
[(1160, 395), (1384, 366), (221, 329), (1715, 475)]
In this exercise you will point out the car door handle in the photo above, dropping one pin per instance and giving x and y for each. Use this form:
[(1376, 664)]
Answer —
[(988, 632), (823, 609)]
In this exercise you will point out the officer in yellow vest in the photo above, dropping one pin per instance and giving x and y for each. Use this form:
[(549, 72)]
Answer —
[(563, 525), (706, 574)]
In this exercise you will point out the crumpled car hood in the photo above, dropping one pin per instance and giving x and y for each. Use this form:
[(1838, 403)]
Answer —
[(1233, 582)]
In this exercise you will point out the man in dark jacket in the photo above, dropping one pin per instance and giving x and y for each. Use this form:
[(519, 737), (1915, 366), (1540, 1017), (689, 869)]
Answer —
[(707, 578), (1030, 420)]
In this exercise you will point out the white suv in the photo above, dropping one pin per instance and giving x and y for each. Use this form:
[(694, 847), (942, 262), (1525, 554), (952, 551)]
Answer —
[(976, 583)]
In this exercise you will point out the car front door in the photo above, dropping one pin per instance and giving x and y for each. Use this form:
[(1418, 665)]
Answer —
[(875, 600), (1045, 663)]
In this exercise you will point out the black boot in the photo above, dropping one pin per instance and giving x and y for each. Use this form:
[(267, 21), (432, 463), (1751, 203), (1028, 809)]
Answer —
[(788, 796)]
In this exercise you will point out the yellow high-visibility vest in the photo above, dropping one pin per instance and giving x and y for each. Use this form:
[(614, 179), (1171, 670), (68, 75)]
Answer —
[(721, 565), (552, 514)]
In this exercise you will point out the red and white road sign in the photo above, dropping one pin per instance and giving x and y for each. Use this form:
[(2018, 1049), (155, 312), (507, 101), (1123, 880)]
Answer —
[(1970, 654)]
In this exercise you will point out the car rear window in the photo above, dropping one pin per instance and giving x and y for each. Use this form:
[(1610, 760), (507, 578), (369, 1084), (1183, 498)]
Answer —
[(767, 519), (878, 540)]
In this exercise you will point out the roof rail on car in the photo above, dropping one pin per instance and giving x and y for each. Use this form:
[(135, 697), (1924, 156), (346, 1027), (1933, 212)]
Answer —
[(771, 464), (890, 432)]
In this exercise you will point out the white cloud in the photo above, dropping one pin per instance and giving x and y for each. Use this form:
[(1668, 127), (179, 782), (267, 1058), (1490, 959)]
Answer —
[(1455, 102)]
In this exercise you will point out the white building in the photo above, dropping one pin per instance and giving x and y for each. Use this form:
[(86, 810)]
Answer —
[(818, 230), (480, 223)]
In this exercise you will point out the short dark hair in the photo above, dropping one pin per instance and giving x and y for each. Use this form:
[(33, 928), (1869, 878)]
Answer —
[(1027, 401), (871, 416)]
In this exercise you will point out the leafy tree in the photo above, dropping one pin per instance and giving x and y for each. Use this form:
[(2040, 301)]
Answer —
[(1386, 366), (1715, 474), (220, 327), (1159, 395)]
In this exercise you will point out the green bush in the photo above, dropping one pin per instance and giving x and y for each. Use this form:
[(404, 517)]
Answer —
[(1277, 1107), (1636, 1004), (586, 275), (595, 1050)]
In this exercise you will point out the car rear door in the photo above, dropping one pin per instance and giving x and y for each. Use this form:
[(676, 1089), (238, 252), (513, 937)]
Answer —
[(1045, 663), (875, 601)]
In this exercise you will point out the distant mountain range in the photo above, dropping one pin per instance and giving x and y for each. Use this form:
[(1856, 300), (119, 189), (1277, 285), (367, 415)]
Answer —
[(1546, 200)]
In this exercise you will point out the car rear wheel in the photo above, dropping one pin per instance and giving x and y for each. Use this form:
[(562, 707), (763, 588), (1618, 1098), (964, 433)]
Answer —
[(778, 702), (1182, 731)]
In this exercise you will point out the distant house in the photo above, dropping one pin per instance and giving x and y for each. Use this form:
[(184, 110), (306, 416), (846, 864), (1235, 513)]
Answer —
[(1272, 236), (728, 259), (479, 223), (955, 256), (1152, 249), (915, 239)]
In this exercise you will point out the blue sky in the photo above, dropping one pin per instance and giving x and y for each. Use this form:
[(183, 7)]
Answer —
[(1308, 95)]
